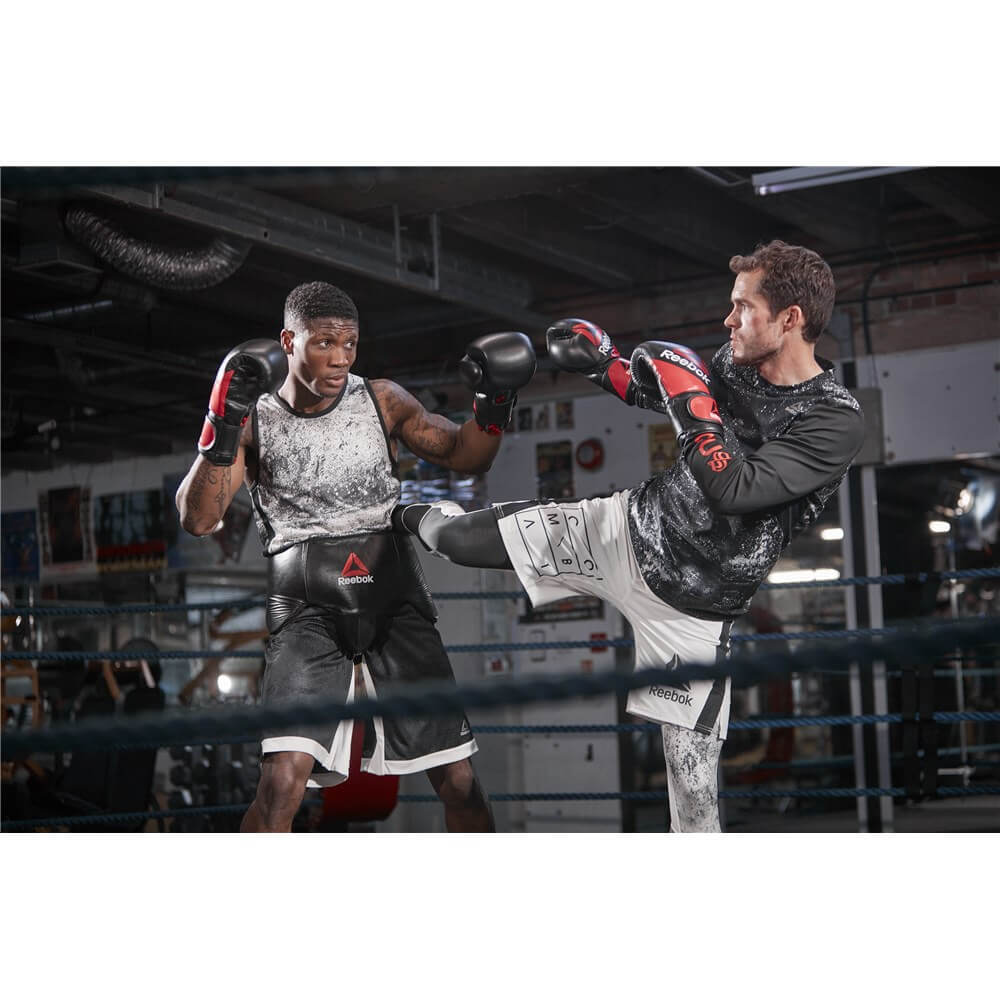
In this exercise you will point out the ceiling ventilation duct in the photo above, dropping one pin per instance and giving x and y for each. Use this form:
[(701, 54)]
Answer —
[(162, 267)]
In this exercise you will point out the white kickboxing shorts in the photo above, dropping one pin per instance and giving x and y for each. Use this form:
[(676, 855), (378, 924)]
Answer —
[(559, 550)]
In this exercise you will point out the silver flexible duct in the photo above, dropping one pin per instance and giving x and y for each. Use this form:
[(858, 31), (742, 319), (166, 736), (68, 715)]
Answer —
[(182, 270)]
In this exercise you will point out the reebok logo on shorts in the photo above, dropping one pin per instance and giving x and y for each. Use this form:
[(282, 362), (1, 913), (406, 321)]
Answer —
[(354, 571), (673, 692), (670, 694)]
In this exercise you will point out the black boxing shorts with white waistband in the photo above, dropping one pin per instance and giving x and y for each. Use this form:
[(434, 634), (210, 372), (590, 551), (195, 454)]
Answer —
[(349, 609), (359, 580)]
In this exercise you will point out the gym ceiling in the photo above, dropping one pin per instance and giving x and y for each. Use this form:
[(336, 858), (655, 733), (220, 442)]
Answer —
[(124, 287)]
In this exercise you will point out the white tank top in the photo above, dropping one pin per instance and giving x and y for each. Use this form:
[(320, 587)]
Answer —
[(322, 475)]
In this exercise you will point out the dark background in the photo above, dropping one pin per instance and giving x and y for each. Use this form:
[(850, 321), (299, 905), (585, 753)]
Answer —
[(106, 360)]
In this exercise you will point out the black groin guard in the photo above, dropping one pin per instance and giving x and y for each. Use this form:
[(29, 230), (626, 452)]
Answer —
[(360, 579)]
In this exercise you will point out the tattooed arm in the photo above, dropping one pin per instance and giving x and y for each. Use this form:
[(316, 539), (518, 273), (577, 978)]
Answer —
[(462, 447), (207, 490)]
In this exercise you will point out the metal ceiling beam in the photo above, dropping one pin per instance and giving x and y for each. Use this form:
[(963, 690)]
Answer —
[(957, 202), (633, 218), (422, 190), (414, 320), (341, 243), (521, 229), (112, 399), (840, 221), (36, 333), (56, 181), (668, 210)]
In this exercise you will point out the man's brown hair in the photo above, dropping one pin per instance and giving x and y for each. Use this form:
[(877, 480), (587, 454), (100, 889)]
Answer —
[(793, 276)]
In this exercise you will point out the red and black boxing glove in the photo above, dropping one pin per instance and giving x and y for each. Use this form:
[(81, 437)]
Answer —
[(677, 375), (577, 345), (246, 373), (496, 366)]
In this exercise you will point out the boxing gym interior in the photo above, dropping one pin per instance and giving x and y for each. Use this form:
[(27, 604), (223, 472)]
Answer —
[(866, 682)]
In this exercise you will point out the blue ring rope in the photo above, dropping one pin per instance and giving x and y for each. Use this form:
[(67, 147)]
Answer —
[(240, 723), (469, 595), (790, 722), (55, 656), (651, 796)]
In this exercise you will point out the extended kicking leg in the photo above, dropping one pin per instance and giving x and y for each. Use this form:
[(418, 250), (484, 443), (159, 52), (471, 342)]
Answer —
[(446, 530)]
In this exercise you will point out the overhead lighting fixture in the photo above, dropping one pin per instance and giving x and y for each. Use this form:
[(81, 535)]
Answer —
[(803, 575), (939, 527), (832, 534), (225, 683), (795, 178)]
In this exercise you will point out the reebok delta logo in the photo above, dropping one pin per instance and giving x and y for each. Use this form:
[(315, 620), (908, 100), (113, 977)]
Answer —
[(673, 692), (354, 571)]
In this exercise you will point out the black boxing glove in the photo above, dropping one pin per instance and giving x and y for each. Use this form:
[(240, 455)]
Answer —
[(246, 373), (496, 366), (576, 345)]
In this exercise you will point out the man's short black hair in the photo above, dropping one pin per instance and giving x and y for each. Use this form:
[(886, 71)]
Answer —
[(317, 299)]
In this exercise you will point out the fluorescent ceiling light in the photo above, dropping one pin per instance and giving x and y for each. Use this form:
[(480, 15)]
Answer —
[(794, 178), (832, 534), (803, 575), (939, 527)]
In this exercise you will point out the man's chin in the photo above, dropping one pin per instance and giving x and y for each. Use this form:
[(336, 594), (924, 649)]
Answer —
[(751, 361), (326, 390)]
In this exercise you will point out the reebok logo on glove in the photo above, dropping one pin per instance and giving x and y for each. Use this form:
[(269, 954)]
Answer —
[(604, 345), (679, 359)]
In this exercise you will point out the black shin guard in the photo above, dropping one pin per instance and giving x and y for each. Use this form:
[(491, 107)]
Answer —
[(466, 539)]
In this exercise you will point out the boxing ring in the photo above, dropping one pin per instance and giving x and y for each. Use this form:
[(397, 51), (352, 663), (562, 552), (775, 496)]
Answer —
[(909, 650)]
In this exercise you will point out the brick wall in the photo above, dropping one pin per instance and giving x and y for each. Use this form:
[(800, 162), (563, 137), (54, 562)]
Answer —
[(933, 304), (910, 307)]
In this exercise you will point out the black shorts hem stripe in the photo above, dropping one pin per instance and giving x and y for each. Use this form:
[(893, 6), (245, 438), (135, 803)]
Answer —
[(710, 713)]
